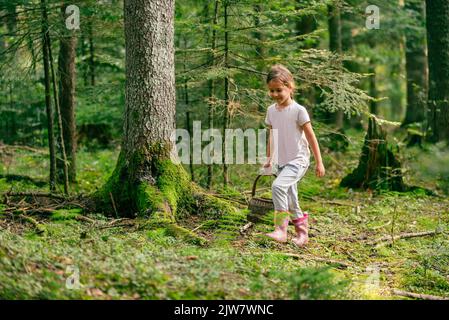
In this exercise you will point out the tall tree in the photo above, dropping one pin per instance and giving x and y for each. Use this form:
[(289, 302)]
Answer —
[(146, 180), (211, 86), (49, 108), (335, 45), (90, 35), (66, 68), (226, 119), (437, 20), (416, 63)]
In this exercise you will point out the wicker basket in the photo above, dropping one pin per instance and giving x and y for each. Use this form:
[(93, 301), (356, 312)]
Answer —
[(258, 206)]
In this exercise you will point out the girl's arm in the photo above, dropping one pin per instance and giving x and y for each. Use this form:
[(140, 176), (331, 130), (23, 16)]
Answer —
[(310, 136), (268, 163)]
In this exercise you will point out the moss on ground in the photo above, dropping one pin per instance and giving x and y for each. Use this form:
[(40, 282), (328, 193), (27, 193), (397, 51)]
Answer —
[(204, 256)]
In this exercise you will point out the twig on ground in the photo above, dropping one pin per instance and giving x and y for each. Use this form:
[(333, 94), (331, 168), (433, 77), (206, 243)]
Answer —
[(199, 227), (39, 227), (388, 239), (84, 218), (5, 146), (113, 205), (246, 227), (418, 295), (35, 194), (118, 223)]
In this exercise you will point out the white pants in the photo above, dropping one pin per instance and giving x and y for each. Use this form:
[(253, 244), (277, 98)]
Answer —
[(285, 191)]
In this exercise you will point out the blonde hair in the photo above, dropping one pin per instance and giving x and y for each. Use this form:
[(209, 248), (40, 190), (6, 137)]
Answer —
[(281, 73)]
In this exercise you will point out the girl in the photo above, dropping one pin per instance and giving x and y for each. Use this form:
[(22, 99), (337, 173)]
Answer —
[(291, 134)]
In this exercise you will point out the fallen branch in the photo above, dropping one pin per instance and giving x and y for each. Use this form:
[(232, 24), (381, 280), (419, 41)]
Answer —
[(418, 295), (39, 227), (35, 194), (113, 205), (84, 218), (5, 146), (118, 223), (387, 239), (246, 227)]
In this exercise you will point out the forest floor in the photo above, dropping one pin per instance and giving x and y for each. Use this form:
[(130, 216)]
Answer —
[(352, 254)]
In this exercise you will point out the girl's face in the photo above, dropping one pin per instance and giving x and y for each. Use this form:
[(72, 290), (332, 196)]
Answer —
[(279, 92)]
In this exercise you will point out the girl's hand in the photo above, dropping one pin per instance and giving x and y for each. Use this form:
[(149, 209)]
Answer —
[(319, 170), (267, 165), (266, 169)]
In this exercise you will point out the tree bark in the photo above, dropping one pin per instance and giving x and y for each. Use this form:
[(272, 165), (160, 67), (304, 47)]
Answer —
[(145, 180), (211, 85), (67, 76), (226, 95), (49, 109), (58, 117), (91, 53), (416, 65), (437, 19)]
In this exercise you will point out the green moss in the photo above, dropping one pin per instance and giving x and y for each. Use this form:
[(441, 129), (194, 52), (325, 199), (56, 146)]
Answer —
[(185, 234), (149, 199), (65, 214), (211, 207)]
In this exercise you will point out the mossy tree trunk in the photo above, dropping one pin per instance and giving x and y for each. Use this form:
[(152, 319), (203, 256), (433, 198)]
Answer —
[(145, 180), (437, 20), (378, 166)]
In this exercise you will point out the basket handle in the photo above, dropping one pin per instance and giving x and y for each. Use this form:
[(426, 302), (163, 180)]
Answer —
[(253, 192)]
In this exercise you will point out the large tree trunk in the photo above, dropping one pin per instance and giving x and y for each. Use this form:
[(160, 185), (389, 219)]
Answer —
[(145, 180), (66, 69), (437, 18), (416, 66)]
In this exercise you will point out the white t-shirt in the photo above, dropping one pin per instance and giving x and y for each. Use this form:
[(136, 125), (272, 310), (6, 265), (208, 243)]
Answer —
[(290, 144)]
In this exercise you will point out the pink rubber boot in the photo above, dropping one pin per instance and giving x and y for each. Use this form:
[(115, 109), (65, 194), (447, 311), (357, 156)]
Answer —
[(280, 228), (301, 228)]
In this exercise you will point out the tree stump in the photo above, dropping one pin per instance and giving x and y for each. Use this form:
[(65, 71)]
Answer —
[(378, 166)]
